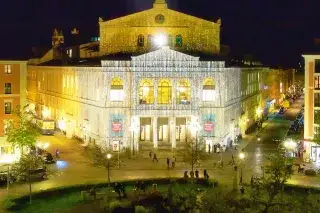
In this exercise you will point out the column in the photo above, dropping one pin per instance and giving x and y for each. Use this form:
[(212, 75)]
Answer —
[(155, 131), (173, 132), (137, 134)]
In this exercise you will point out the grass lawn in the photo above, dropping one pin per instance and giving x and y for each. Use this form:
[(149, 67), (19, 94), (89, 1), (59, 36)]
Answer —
[(72, 202)]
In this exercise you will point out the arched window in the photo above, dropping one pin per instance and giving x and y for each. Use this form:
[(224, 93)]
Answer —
[(183, 92), (146, 92), (140, 41), (116, 91), (164, 92), (179, 41), (208, 90)]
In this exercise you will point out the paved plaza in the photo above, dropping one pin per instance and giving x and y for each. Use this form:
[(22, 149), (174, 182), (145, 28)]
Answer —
[(74, 168)]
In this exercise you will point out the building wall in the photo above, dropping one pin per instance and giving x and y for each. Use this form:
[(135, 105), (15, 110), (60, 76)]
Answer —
[(17, 78), (121, 34)]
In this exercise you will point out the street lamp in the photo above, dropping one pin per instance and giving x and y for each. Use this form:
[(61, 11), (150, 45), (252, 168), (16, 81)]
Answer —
[(108, 167), (195, 127), (241, 156), (8, 160), (133, 128)]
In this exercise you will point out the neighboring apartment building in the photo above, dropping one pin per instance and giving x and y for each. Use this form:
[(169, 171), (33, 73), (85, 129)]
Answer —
[(312, 106), (12, 94)]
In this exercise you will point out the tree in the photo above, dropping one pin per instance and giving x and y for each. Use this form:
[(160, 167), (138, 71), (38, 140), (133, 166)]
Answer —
[(98, 157), (194, 152), (24, 167), (22, 132)]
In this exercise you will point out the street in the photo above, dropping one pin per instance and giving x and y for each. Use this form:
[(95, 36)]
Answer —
[(74, 168)]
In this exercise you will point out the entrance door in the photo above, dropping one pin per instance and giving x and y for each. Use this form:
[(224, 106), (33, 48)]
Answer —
[(145, 131), (163, 129)]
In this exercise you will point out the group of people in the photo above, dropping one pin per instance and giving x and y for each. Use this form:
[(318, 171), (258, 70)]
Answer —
[(217, 148), (153, 157), (196, 174), (171, 163), (120, 188)]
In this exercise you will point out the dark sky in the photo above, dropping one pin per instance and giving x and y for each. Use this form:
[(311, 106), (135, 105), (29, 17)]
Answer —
[(275, 31)]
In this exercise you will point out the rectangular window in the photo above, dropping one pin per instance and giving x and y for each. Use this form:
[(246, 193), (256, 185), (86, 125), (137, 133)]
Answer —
[(317, 99), (208, 95), (116, 95), (7, 107), (7, 88), (317, 117), (317, 82), (316, 131), (317, 66), (7, 69)]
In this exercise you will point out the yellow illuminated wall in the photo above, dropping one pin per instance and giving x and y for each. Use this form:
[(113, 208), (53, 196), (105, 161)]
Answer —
[(133, 33)]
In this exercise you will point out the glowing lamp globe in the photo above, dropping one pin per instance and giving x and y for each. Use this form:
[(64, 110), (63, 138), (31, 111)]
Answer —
[(160, 40)]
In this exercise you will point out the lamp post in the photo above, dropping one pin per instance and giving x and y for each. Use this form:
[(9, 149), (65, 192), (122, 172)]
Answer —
[(241, 156), (108, 167), (133, 128)]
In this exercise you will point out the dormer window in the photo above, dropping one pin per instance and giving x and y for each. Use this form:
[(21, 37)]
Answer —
[(140, 41)]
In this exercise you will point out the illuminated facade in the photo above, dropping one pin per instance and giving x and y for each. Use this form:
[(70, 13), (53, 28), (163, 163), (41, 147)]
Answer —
[(155, 73), (312, 105), (12, 94), (160, 92)]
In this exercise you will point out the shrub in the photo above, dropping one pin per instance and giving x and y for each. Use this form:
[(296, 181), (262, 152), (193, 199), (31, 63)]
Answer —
[(140, 209), (8, 202)]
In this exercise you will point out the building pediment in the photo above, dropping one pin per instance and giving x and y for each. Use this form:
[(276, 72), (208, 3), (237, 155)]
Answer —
[(159, 17), (164, 54)]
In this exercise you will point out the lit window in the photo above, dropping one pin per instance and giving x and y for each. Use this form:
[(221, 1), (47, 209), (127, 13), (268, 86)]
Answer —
[(140, 41), (116, 92), (208, 91), (7, 107), (7, 88), (317, 82), (179, 41), (146, 92), (164, 92), (183, 92), (70, 53), (7, 69)]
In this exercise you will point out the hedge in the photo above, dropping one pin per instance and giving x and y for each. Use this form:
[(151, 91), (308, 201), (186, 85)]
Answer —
[(60, 191)]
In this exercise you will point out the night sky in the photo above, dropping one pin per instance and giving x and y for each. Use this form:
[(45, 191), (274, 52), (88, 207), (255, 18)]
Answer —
[(274, 31)]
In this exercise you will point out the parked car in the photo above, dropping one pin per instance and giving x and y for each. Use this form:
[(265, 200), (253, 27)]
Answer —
[(40, 173), (276, 140), (4, 176), (47, 158)]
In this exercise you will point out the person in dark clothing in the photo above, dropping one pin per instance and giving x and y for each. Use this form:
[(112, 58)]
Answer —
[(173, 164), (123, 190), (116, 188), (197, 174), (150, 155), (168, 163), (185, 175), (155, 158), (205, 174), (191, 174), (209, 147), (174, 158)]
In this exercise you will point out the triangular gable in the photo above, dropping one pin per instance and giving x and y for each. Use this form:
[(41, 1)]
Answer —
[(164, 54), (147, 18)]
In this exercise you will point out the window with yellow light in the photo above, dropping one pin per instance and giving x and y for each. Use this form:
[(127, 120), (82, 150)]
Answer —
[(146, 92), (183, 92), (164, 92)]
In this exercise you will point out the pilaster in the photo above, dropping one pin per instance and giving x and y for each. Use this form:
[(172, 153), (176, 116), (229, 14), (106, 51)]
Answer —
[(173, 132), (155, 131)]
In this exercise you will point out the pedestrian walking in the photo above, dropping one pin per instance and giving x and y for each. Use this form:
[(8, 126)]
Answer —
[(155, 158), (215, 148), (191, 174), (150, 155), (209, 147), (205, 174), (218, 150), (57, 153), (197, 173), (173, 164), (174, 158), (168, 163)]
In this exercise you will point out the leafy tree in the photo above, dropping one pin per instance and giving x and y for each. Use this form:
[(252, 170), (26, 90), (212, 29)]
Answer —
[(98, 157), (194, 152), (22, 132), (23, 168)]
